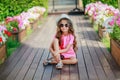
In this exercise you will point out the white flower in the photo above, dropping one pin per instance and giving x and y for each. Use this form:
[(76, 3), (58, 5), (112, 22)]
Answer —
[(3, 37)]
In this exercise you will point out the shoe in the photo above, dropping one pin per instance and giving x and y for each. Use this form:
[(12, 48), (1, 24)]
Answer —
[(59, 65), (48, 61)]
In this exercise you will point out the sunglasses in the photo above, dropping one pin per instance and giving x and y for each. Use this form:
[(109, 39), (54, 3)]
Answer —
[(62, 25)]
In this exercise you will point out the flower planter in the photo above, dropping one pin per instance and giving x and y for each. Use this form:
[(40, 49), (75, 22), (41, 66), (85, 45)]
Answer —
[(115, 50), (102, 32), (92, 20), (35, 24), (15, 35), (19, 35), (2, 53), (28, 29)]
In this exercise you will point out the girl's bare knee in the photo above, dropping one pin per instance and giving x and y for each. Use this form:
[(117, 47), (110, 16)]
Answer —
[(55, 40), (74, 61)]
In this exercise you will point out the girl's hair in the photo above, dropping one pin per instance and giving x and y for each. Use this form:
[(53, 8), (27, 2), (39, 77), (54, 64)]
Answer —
[(70, 31)]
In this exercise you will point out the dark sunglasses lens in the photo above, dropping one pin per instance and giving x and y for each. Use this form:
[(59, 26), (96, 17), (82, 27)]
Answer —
[(62, 25), (66, 25)]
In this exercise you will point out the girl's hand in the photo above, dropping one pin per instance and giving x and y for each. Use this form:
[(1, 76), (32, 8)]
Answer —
[(57, 56), (56, 53)]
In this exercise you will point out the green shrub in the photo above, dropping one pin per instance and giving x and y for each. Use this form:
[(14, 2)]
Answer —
[(116, 33), (11, 45), (109, 2), (15, 7)]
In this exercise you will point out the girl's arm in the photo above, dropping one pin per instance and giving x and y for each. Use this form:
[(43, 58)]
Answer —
[(51, 49), (66, 49)]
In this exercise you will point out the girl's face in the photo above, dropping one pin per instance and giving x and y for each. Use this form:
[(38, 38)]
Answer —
[(64, 26)]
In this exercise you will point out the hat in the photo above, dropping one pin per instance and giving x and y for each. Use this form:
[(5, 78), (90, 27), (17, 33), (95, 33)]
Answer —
[(63, 16)]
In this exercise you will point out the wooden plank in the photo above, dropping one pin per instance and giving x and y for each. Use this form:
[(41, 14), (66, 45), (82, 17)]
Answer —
[(107, 68), (40, 70), (102, 57), (98, 67), (81, 65), (34, 65), (9, 59), (26, 65), (48, 71), (100, 54), (90, 68), (74, 72), (97, 64), (55, 74), (19, 65), (65, 72), (11, 66), (89, 63), (81, 62)]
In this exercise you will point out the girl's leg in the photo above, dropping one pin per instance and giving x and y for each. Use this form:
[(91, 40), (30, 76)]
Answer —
[(57, 55), (70, 61), (55, 47)]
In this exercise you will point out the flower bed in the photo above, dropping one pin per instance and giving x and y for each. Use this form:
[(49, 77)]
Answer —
[(101, 14), (115, 50), (109, 19), (14, 29)]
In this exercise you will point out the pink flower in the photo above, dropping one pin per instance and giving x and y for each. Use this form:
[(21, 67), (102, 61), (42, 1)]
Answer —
[(19, 20), (111, 23), (2, 28), (118, 21), (8, 19)]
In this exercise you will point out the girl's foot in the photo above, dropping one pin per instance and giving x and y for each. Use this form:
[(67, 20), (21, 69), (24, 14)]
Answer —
[(49, 61), (59, 65)]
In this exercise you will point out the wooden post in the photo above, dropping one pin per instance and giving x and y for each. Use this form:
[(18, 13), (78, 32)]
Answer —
[(80, 3), (118, 4)]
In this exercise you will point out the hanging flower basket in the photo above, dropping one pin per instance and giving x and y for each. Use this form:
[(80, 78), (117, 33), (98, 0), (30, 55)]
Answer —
[(2, 53), (115, 50)]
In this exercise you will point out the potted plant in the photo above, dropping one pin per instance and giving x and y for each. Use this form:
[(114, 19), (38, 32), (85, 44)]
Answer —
[(4, 34), (14, 25), (115, 38)]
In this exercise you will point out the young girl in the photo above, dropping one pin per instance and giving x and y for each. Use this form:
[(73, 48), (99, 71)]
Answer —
[(63, 46)]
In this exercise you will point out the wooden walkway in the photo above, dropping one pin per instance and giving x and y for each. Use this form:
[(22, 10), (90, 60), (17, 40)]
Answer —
[(94, 61)]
